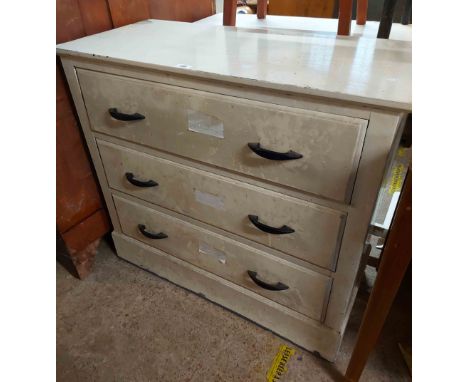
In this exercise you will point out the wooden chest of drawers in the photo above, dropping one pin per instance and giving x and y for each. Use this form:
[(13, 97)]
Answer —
[(241, 181)]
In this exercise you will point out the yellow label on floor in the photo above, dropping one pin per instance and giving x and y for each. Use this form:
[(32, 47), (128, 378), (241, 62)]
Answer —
[(278, 368)]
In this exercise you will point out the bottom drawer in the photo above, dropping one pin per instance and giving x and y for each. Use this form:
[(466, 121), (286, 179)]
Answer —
[(290, 285), (297, 328)]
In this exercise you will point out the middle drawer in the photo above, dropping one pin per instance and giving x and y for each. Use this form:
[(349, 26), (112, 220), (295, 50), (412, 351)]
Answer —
[(299, 228)]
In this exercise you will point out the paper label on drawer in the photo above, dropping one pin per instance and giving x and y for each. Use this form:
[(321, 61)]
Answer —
[(207, 249), (205, 124), (210, 199)]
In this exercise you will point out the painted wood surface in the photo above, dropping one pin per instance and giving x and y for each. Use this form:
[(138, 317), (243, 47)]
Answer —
[(361, 70), (307, 291), (311, 25), (380, 136), (226, 203), (216, 130), (280, 98), (298, 328), (382, 140)]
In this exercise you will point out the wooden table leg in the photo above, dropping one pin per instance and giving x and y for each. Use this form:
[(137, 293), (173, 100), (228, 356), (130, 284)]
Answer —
[(261, 9), (406, 18), (344, 17), (229, 13), (361, 12), (396, 257), (386, 19)]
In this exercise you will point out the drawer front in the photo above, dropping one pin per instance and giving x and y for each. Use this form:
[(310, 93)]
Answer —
[(216, 129), (304, 331), (307, 290), (227, 204)]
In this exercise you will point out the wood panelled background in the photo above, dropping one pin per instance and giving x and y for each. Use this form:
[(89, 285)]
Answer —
[(125, 12), (305, 8), (81, 215)]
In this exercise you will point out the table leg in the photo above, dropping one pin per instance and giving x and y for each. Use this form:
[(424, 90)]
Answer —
[(229, 13), (386, 19), (344, 17), (261, 8), (396, 257), (361, 12), (406, 18)]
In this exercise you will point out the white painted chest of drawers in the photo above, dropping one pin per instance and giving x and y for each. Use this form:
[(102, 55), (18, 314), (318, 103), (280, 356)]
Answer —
[(243, 165)]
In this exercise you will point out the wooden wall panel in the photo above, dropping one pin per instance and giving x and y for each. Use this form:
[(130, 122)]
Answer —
[(81, 217), (125, 12), (181, 10), (95, 15), (76, 190), (69, 25), (129, 11), (306, 8)]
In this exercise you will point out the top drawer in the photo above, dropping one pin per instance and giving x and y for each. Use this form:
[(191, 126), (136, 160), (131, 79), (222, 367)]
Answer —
[(216, 129)]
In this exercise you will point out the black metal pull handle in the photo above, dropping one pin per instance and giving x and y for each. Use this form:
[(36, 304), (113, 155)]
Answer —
[(266, 228), (273, 155), (140, 183), (264, 285), (151, 235), (125, 117)]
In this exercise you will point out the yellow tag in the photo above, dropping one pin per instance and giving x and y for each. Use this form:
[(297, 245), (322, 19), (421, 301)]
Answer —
[(278, 368), (397, 179)]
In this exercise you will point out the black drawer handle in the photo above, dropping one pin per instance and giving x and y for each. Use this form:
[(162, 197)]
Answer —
[(266, 228), (151, 235), (125, 117), (273, 155), (264, 285), (140, 183)]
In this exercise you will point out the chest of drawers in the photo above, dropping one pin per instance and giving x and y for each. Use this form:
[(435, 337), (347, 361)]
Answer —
[(244, 170)]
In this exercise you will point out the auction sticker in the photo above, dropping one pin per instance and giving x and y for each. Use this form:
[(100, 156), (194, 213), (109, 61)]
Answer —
[(278, 368)]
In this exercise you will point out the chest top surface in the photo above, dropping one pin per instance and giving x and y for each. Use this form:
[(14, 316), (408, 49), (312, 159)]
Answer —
[(368, 71)]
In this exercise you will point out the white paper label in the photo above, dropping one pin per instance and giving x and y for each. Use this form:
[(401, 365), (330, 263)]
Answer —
[(205, 124), (210, 199), (207, 249)]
